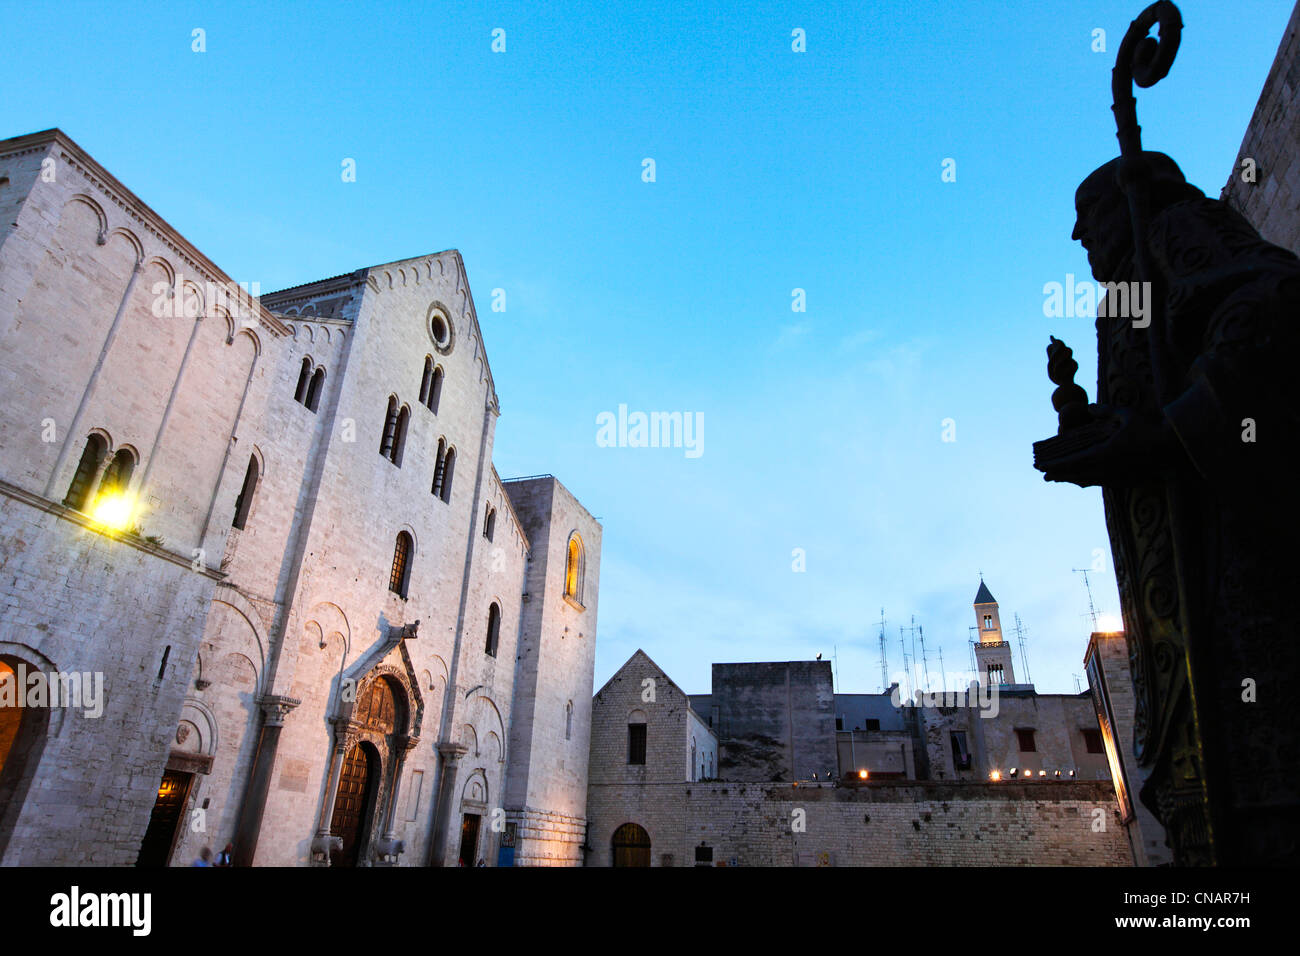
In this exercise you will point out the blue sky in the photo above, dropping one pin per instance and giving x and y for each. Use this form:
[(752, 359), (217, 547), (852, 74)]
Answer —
[(775, 170)]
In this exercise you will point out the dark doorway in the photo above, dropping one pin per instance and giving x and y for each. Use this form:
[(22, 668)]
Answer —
[(164, 822), (469, 839), (631, 846), (353, 805)]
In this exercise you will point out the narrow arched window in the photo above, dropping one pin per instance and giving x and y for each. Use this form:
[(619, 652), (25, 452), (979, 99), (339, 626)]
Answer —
[(490, 523), (399, 435), (494, 629), (244, 503), (435, 390), (426, 380), (87, 468), (312, 400), (390, 429), (400, 576), (448, 467), (300, 393), (573, 570), (568, 721), (438, 464), (117, 476)]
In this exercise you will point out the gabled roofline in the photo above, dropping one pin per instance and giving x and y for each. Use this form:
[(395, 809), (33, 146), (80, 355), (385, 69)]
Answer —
[(510, 505), (652, 661), (137, 208)]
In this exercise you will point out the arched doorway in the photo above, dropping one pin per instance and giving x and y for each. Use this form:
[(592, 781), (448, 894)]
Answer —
[(631, 846), (354, 806), (362, 784), (22, 737)]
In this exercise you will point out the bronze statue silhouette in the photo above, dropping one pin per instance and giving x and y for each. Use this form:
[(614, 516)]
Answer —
[(1192, 440)]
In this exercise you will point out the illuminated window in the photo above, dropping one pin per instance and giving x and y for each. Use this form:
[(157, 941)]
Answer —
[(995, 674), (1025, 740), (636, 744), (988, 622), (79, 490), (400, 576), (494, 630), (244, 503), (118, 474), (1092, 739), (574, 567)]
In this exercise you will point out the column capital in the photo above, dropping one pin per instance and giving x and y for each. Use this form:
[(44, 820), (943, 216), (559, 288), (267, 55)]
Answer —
[(275, 708)]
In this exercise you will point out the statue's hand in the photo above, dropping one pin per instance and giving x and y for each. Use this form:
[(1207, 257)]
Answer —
[(1134, 447)]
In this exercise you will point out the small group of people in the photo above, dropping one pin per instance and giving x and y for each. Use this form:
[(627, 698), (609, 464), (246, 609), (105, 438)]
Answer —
[(224, 858)]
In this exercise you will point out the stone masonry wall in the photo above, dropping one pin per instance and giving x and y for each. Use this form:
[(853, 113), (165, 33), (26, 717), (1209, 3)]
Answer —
[(747, 824)]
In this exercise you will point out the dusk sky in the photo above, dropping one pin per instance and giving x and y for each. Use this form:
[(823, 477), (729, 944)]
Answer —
[(774, 171)]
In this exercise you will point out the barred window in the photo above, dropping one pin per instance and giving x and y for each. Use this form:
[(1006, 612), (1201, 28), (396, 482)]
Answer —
[(400, 576)]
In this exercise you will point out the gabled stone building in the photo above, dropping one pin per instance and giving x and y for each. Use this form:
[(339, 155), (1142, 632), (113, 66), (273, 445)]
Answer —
[(327, 631)]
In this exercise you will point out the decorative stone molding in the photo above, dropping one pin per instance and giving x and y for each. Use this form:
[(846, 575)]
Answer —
[(276, 707)]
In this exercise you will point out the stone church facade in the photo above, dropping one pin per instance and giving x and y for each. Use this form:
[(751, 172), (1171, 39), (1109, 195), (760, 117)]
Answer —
[(327, 632)]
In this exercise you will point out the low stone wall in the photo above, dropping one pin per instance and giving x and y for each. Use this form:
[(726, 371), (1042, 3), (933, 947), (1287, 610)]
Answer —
[(881, 824)]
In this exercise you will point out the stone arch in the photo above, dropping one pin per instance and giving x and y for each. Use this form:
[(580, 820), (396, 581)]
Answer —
[(97, 209), (257, 342), (330, 618), (475, 792), (637, 716), (469, 738), (132, 240), (22, 737), (228, 595), (486, 710), (494, 747), (165, 264), (199, 716), (190, 287)]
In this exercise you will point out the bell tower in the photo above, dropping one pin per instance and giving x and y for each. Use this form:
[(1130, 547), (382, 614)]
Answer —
[(992, 652)]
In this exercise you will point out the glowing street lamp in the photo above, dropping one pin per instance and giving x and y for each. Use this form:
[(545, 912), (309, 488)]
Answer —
[(113, 511)]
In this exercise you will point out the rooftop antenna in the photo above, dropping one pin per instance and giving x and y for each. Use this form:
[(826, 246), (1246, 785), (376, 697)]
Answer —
[(884, 663), (1020, 639), (912, 631), (835, 665), (907, 662), (925, 664), (1092, 610), (943, 677), (972, 639), (1078, 685)]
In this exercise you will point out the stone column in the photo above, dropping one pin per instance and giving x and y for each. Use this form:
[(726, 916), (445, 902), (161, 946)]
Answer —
[(389, 847), (345, 736), (450, 754), (274, 709)]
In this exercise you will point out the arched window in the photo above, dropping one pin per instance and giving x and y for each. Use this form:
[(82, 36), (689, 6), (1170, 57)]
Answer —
[(426, 380), (399, 435), (573, 569), (117, 476), (494, 629), (312, 401), (300, 393), (87, 468), (439, 462), (400, 576), (390, 429), (435, 390), (490, 522), (244, 503), (448, 467), (568, 721)]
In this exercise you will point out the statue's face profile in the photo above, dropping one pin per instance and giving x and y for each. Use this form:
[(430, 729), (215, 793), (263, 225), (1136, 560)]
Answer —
[(1102, 223)]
